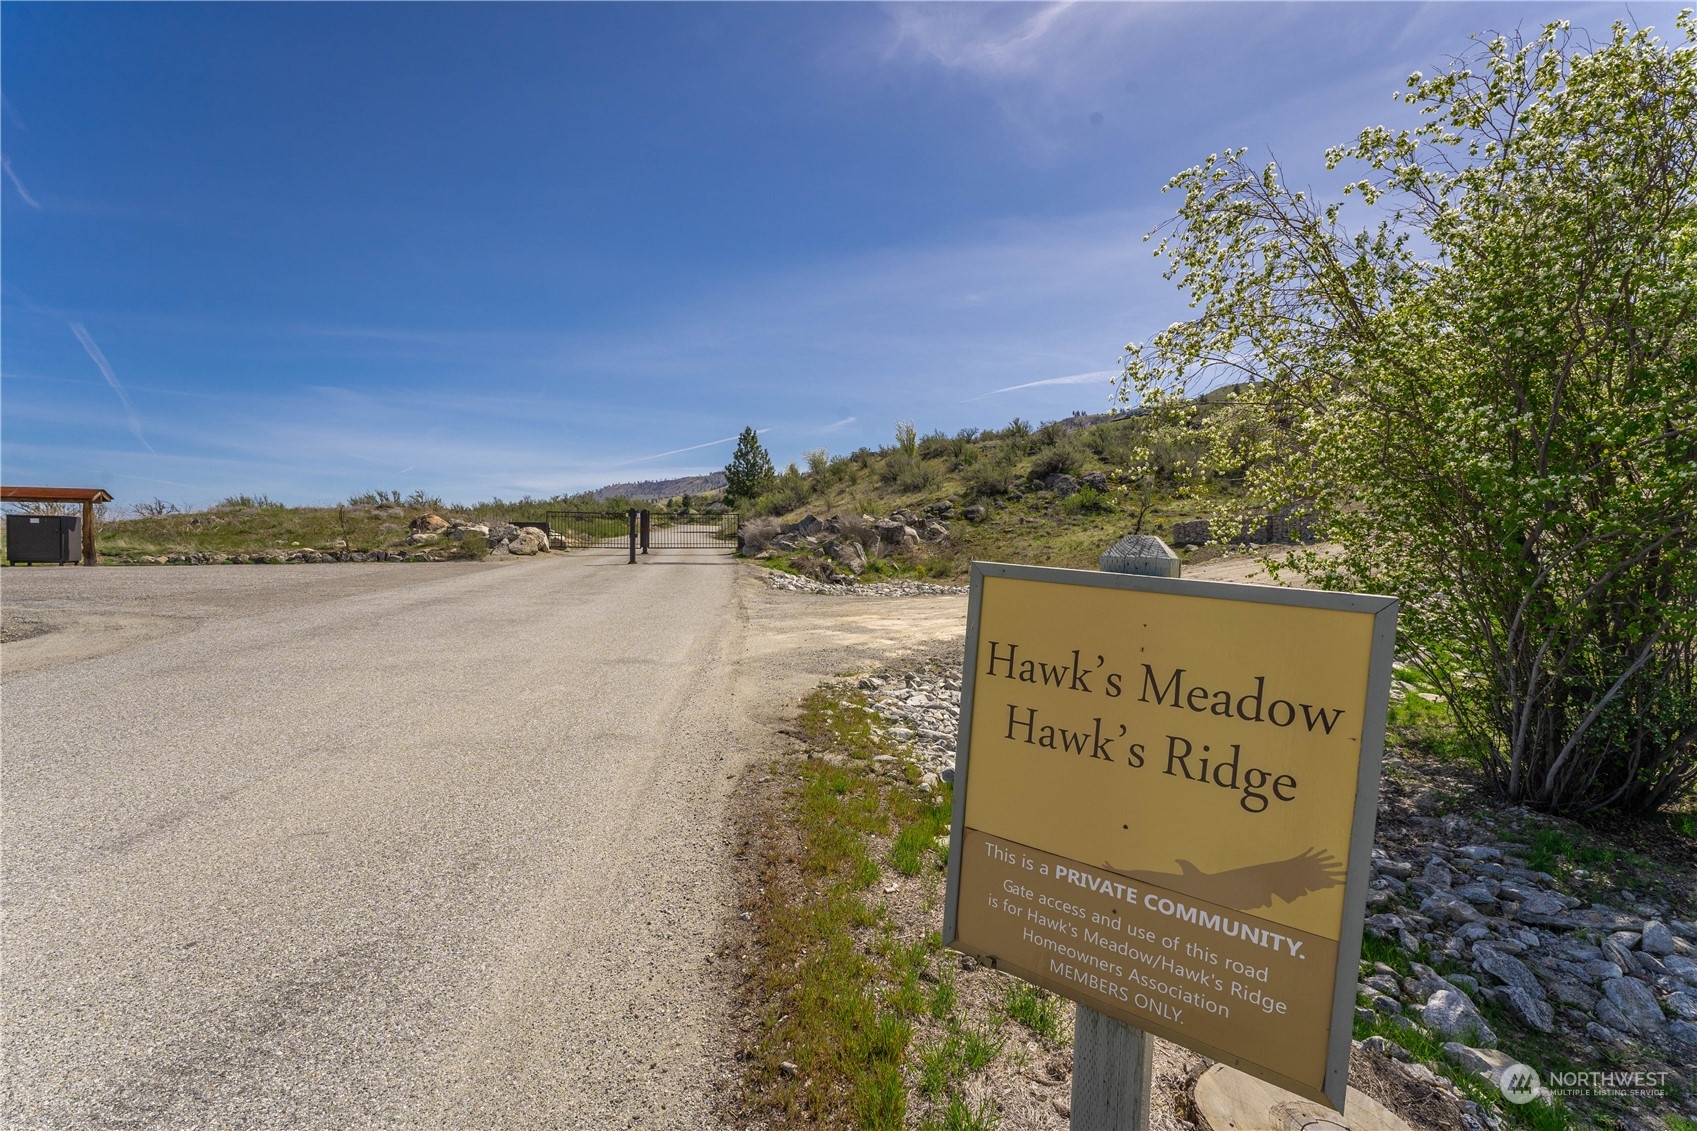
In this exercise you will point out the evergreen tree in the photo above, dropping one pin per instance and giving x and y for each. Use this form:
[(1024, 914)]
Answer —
[(750, 473)]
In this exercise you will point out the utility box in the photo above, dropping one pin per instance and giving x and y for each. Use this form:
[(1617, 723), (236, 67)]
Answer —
[(43, 538)]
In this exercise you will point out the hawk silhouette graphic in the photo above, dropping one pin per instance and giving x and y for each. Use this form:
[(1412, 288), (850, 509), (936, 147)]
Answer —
[(1252, 887)]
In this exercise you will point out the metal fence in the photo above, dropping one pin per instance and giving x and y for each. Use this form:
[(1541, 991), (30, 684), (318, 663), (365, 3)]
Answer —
[(647, 529), (581, 530), (678, 530)]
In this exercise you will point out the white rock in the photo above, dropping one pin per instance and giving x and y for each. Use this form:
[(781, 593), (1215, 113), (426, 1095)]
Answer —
[(1636, 1004), (1453, 1014), (1657, 939)]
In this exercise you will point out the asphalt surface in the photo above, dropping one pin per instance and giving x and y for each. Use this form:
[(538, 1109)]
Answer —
[(387, 846)]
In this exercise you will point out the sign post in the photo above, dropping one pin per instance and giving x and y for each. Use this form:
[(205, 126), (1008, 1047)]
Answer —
[(1164, 804), (1113, 1064)]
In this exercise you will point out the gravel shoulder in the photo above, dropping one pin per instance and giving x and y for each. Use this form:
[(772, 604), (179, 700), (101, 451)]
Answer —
[(436, 846)]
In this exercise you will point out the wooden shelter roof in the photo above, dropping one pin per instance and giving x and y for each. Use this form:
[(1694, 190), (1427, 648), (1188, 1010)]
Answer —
[(53, 495)]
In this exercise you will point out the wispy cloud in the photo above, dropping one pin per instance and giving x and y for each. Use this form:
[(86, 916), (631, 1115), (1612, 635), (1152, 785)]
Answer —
[(105, 368), (675, 451), (1071, 379), (1046, 68), (839, 425), (6, 164)]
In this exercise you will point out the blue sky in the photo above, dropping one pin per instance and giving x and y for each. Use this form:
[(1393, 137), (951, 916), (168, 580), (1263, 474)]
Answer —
[(310, 250)]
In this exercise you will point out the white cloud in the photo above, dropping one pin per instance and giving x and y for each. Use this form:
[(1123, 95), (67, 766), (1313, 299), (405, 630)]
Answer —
[(6, 164), (1091, 378), (676, 451), (105, 368)]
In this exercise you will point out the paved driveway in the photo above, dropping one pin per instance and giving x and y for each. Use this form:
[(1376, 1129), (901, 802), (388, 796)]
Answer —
[(432, 846)]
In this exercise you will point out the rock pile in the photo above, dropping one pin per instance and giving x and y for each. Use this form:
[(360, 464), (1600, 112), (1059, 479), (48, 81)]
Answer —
[(897, 587), (506, 538), (921, 707), (1066, 485), (427, 531), (1616, 976), (835, 550), (503, 537)]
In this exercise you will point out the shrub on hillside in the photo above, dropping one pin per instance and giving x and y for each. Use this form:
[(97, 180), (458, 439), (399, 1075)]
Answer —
[(908, 471), (935, 445), (1050, 434), (1087, 500), (989, 476), (1063, 458), (757, 534)]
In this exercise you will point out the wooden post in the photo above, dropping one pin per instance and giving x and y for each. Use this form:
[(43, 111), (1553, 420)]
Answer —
[(1113, 1064), (88, 557), (1113, 1073)]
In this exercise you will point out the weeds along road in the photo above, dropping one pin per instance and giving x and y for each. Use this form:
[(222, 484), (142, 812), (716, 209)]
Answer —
[(387, 846)]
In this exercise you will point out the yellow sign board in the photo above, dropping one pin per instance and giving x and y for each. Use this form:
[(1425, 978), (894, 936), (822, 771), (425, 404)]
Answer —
[(1164, 802)]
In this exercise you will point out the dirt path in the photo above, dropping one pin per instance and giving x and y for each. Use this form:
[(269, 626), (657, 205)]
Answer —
[(435, 846)]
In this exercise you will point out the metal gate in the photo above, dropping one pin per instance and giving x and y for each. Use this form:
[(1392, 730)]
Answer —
[(584, 530), (684, 530), (645, 529)]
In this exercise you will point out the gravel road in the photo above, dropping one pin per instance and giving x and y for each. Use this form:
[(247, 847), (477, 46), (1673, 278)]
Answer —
[(388, 846)]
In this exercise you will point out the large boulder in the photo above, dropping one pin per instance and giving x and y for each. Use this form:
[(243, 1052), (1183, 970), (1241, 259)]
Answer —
[(529, 541), (847, 554), (1453, 1014), (1061, 484), (428, 524), (1656, 939), (464, 530), (1636, 1004), (1522, 994)]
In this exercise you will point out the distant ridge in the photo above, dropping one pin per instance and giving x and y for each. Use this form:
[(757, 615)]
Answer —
[(664, 488)]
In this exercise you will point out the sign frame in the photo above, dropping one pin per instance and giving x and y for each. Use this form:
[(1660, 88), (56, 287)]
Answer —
[(1382, 656)]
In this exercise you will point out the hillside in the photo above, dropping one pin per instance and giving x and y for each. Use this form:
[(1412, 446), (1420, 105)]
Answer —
[(650, 490), (1053, 494), (1049, 495)]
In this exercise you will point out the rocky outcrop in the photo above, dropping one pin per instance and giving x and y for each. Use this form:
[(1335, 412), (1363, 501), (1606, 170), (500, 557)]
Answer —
[(836, 550)]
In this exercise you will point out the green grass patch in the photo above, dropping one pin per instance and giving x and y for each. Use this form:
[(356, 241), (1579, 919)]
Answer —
[(843, 991), (1035, 1008), (917, 841), (1428, 1049), (960, 1116), (1388, 951)]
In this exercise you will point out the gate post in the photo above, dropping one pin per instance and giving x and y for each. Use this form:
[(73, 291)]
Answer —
[(645, 519), (630, 520)]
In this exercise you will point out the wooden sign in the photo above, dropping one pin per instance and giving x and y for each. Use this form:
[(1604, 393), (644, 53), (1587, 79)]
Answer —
[(1164, 803)]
